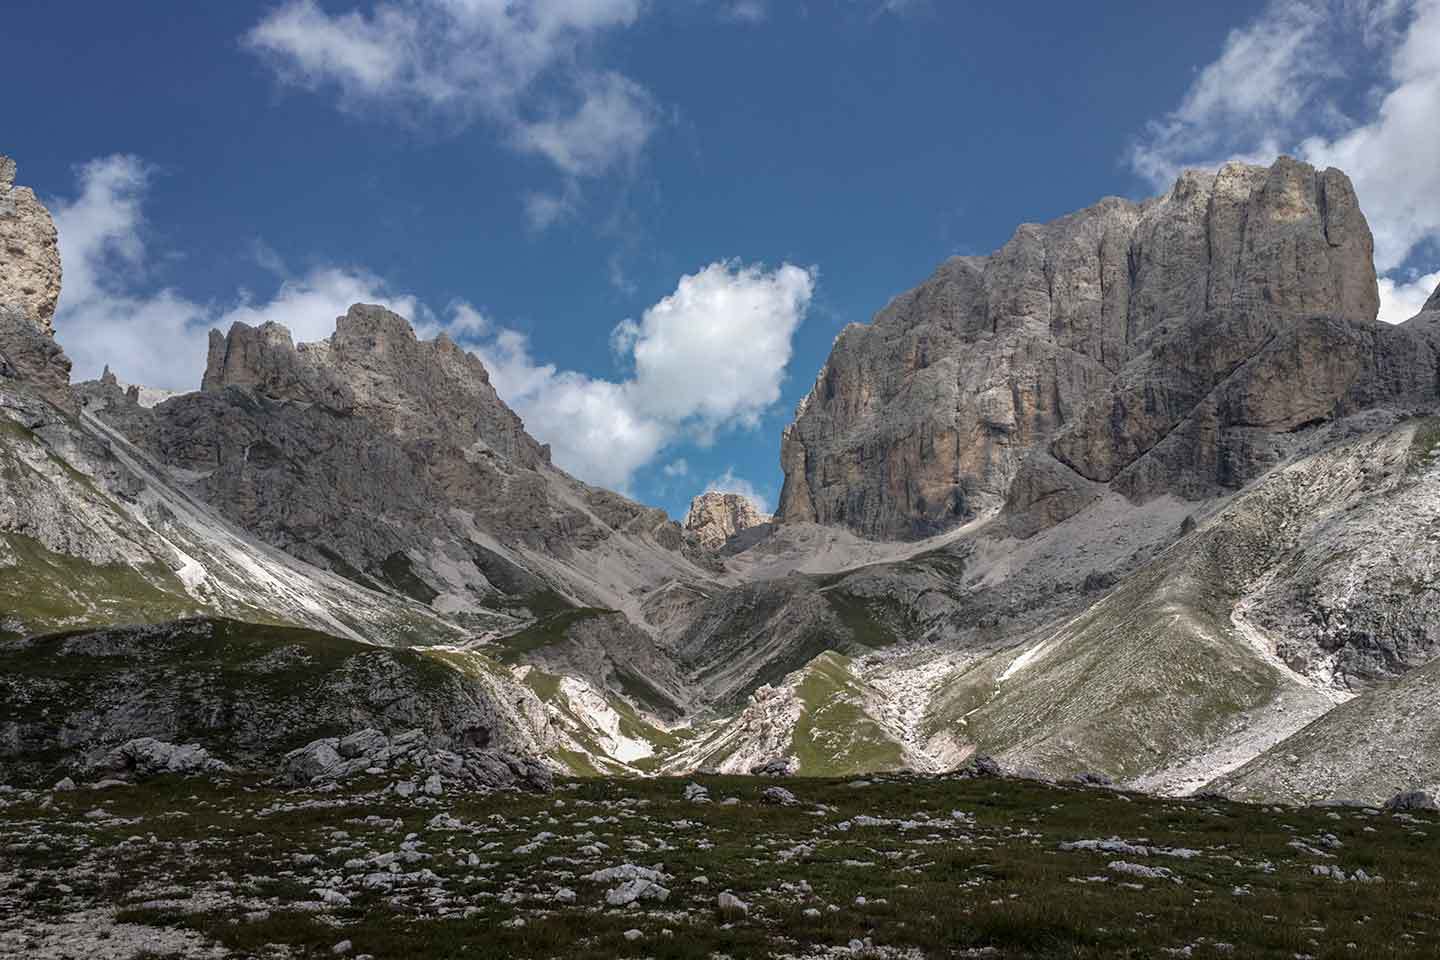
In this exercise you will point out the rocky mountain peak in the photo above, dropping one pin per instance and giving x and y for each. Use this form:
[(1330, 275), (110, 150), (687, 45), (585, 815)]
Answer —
[(1434, 302), (375, 366), (1090, 339), (715, 517)]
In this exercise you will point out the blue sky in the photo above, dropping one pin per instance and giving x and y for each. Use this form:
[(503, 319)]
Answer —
[(651, 219)]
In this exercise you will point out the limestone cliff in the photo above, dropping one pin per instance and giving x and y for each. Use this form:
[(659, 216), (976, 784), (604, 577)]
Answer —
[(715, 518), (29, 251), (29, 291), (1164, 346)]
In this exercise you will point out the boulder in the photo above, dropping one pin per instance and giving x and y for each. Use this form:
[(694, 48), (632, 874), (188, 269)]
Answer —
[(1413, 800), (369, 743), (777, 767), (318, 760), (148, 757), (778, 796)]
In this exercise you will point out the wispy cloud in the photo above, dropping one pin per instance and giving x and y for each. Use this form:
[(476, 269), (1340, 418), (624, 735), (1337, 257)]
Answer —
[(530, 68)]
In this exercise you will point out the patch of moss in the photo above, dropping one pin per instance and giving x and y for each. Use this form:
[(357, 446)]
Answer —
[(834, 736)]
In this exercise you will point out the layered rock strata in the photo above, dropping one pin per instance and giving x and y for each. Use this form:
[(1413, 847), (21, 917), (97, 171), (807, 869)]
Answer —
[(1164, 346)]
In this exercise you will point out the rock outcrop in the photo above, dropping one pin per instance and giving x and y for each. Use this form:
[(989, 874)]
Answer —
[(715, 518), (1166, 346), (440, 763), (29, 251), (148, 757), (29, 291), (246, 692)]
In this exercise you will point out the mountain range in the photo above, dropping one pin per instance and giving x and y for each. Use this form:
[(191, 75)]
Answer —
[(1147, 493)]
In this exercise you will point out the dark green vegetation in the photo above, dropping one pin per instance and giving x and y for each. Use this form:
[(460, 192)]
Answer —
[(834, 735), (950, 868), (245, 691), (869, 621), (544, 632), (50, 591)]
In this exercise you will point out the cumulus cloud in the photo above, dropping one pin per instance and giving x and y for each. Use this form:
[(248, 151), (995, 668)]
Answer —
[(728, 482), (710, 356), (525, 66), (1283, 82), (679, 467), (109, 314), (1400, 300)]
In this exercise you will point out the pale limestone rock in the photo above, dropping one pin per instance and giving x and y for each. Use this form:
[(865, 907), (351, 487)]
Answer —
[(29, 291), (715, 517), (29, 251), (1106, 340)]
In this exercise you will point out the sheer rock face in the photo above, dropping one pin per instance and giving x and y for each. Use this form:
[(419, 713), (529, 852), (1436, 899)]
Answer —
[(1159, 346), (1434, 302), (29, 290), (716, 517), (29, 251)]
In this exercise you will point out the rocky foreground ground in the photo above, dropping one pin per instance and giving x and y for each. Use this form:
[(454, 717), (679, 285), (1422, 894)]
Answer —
[(709, 867)]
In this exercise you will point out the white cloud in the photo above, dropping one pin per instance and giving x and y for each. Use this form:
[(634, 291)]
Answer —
[(710, 356), (588, 422), (159, 337), (728, 482), (677, 468), (545, 209), (1401, 300), (1281, 84), (522, 65), (612, 123), (1394, 158), (466, 322), (746, 11), (715, 350)]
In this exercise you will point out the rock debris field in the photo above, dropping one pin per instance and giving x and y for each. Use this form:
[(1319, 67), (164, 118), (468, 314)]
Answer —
[(709, 867)]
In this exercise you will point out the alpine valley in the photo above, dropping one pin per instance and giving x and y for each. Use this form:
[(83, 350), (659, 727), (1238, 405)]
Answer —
[(1147, 494)]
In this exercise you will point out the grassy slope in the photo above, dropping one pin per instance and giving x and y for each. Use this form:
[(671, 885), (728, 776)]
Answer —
[(47, 591), (834, 736), (994, 879)]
